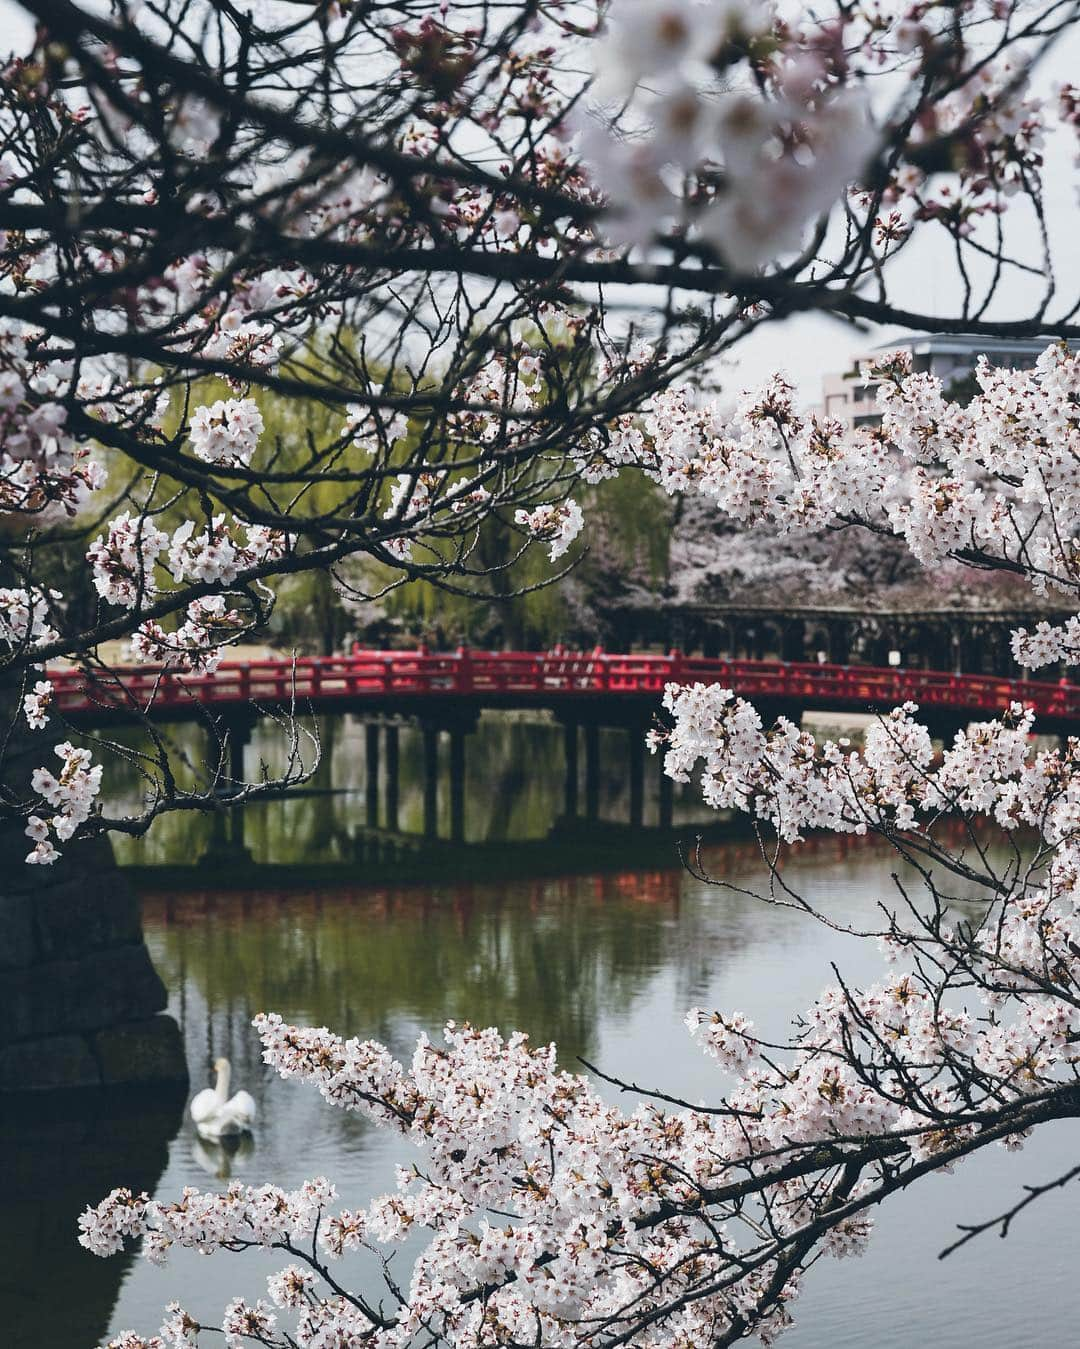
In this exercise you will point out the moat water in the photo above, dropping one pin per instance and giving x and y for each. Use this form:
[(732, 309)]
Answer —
[(605, 964)]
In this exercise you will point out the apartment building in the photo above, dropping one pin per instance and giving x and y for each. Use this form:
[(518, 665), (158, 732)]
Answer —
[(952, 357)]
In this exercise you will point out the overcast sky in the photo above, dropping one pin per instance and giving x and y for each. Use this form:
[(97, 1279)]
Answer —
[(808, 346)]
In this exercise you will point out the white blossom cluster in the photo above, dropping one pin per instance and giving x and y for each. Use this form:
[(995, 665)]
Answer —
[(71, 794), (1047, 644), (197, 645), (123, 560), (227, 432), (544, 1208), (44, 473), (785, 156), (36, 704), (784, 777), (558, 524), (25, 616), (997, 479), (771, 108)]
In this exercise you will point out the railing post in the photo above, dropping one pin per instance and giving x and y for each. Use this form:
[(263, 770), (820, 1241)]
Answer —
[(600, 678), (675, 660), (464, 671)]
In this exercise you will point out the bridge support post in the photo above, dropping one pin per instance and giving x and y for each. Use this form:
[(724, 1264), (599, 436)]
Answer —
[(431, 779), (636, 747), (237, 845), (570, 756), (227, 740), (393, 776), (457, 784), (238, 732), (592, 772), (219, 834), (371, 765), (667, 796)]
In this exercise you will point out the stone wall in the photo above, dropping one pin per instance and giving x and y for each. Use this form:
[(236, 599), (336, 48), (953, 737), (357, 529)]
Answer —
[(80, 1001)]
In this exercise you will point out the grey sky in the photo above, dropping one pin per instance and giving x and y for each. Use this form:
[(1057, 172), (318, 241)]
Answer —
[(807, 346)]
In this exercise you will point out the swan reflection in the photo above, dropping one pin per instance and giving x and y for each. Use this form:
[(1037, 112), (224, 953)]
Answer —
[(220, 1157)]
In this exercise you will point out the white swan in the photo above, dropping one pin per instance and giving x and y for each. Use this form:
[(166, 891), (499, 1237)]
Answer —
[(215, 1113)]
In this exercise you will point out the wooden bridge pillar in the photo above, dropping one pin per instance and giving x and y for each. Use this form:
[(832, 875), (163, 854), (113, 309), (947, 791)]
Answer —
[(570, 755), (592, 771), (667, 796), (393, 775), (430, 733), (227, 740), (371, 766), (238, 731), (636, 734), (457, 784)]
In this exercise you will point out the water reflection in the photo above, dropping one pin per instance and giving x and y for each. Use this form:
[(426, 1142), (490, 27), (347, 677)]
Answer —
[(514, 791), (549, 955), (223, 1158), (604, 964), (62, 1153)]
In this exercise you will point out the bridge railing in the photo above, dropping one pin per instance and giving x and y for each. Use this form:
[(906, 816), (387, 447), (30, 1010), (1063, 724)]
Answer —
[(500, 674)]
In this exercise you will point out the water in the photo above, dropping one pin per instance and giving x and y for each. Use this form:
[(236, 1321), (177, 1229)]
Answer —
[(604, 964)]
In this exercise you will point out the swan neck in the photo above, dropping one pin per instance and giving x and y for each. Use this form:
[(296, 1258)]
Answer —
[(221, 1089)]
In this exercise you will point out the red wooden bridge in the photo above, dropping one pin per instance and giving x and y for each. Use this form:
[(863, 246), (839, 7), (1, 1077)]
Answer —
[(596, 684), (444, 693)]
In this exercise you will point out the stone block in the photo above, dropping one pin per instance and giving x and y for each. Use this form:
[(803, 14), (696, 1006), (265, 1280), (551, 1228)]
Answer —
[(141, 1053), (110, 987), (17, 947), (102, 989), (87, 914), (20, 998), (48, 1064)]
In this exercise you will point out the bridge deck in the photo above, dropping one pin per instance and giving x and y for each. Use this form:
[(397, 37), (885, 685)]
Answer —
[(409, 681)]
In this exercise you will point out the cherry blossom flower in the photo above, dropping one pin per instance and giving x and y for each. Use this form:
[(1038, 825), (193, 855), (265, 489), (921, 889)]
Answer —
[(227, 432), (559, 524), (36, 704)]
